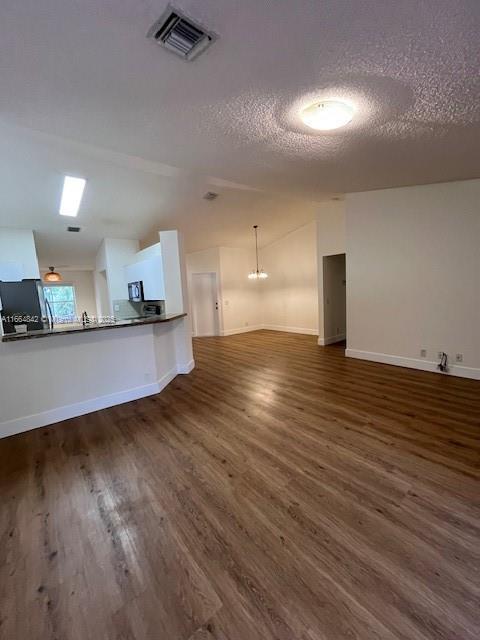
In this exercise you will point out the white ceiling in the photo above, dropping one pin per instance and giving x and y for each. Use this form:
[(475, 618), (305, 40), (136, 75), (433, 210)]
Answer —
[(151, 131), (126, 197)]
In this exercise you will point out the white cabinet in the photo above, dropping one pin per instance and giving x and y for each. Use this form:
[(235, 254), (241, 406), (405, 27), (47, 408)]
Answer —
[(150, 272), (133, 272), (11, 271), (153, 284)]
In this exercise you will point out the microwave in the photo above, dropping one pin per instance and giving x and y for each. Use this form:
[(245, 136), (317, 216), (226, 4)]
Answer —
[(135, 291)]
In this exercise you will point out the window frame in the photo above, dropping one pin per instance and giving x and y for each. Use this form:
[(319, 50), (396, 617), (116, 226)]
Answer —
[(52, 303)]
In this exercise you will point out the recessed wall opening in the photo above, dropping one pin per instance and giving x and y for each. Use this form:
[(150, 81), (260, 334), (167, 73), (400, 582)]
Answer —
[(334, 299)]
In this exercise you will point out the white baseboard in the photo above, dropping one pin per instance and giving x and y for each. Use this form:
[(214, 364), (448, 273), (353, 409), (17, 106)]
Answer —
[(186, 368), (26, 423), (232, 332), (413, 363), (280, 327), (270, 327), (323, 342)]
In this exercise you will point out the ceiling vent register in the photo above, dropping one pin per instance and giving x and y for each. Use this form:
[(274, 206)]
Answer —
[(179, 34), (210, 195)]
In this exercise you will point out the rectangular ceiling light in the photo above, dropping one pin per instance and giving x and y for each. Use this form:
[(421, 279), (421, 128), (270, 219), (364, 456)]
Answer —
[(71, 196)]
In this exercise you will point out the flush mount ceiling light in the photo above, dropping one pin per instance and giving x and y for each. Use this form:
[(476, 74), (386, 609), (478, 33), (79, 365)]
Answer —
[(71, 196), (52, 275), (327, 115), (257, 274)]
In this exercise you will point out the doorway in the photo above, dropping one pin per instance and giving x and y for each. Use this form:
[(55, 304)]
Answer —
[(334, 298), (204, 304)]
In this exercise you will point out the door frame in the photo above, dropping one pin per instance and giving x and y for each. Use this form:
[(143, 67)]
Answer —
[(217, 315), (331, 339)]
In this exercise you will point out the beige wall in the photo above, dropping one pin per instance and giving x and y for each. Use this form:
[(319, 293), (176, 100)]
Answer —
[(289, 297), (84, 289), (240, 297), (330, 241), (413, 273), (206, 261)]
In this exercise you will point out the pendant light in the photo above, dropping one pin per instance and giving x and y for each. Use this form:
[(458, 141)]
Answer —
[(258, 273), (52, 275)]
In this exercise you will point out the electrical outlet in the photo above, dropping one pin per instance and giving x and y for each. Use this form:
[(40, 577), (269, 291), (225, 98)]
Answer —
[(459, 357), (423, 353), (246, 324), (440, 354), (116, 307)]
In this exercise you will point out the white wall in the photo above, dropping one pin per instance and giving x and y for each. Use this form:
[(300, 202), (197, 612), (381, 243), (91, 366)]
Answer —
[(330, 241), (63, 376), (84, 289), (413, 267), (118, 254), (18, 246), (206, 261), (289, 297), (174, 272), (112, 256), (288, 300), (240, 296), (176, 295)]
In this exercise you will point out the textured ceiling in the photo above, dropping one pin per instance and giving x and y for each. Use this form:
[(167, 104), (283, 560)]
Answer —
[(86, 72)]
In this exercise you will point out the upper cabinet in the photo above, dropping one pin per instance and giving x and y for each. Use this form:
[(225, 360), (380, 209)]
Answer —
[(11, 271), (152, 277), (149, 269)]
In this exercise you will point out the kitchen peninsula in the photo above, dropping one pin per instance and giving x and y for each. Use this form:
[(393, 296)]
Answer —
[(80, 369), (68, 329), (44, 381)]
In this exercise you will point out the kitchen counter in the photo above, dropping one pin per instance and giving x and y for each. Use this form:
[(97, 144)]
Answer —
[(69, 329), (48, 381)]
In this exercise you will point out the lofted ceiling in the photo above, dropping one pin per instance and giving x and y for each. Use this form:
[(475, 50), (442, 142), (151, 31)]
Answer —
[(84, 91), (126, 197)]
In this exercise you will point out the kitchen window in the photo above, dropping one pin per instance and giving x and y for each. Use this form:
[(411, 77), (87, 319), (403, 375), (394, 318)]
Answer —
[(62, 301)]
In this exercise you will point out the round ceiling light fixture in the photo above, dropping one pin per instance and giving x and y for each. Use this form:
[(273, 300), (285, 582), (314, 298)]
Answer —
[(327, 115)]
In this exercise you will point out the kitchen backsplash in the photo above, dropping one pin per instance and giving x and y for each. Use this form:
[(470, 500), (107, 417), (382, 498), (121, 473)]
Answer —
[(125, 309)]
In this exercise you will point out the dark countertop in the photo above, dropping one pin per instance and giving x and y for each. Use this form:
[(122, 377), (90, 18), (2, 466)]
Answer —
[(60, 330)]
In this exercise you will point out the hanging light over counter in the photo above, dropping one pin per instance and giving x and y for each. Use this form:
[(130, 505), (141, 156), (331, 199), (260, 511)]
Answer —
[(257, 273), (52, 275)]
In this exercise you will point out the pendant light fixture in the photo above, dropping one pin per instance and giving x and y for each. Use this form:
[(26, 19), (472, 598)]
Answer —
[(258, 273), (52, 275)]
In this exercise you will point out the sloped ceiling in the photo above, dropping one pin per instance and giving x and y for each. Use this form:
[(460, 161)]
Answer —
[(85, 72)]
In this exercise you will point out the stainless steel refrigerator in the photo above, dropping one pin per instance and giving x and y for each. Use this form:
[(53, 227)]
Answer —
[(23, 303)]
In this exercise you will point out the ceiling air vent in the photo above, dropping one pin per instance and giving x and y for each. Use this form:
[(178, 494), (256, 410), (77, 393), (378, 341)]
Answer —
[(73, 229), (210, 195), (181, 35)]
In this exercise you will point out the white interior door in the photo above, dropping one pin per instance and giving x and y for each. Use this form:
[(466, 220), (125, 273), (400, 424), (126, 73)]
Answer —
[(204, 304)]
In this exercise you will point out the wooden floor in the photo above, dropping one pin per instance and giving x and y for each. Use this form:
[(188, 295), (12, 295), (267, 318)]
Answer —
[(279, 491)]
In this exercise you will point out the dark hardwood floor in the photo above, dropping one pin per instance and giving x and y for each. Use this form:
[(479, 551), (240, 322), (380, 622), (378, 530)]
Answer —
[(279, 491)]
